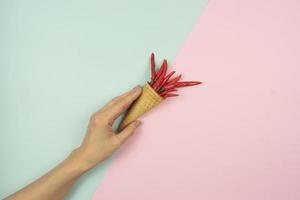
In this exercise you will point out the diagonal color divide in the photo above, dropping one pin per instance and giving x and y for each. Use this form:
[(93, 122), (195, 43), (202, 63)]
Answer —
[(237, 136), (60, 61)]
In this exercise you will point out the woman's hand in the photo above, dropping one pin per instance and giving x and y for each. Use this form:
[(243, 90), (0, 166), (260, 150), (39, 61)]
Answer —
[(99, 143), (100, 140)]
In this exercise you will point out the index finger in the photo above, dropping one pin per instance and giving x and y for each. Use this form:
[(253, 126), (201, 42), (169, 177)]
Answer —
[(121, 103)]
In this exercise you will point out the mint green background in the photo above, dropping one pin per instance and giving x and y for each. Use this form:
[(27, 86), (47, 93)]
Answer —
[(62, 60)]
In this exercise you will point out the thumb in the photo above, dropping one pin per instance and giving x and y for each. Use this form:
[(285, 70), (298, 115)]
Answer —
[(128, 131)]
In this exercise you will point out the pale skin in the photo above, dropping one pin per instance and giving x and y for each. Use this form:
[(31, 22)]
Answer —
[(99, 143)]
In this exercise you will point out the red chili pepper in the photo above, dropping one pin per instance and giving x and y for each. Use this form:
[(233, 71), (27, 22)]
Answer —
[(158, 74), (167, 78), (162, 69), (174, 80), (167, 91), (160, 79), (155, 82), (187, 83), (155, 85), (170, 87), (153, 72), (170, 95)]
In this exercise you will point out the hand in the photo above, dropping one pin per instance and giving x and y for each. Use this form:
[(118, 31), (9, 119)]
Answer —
[(99, 143), (100, 140)]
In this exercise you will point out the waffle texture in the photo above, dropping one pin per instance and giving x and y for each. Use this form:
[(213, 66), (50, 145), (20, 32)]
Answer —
[(148, 99)]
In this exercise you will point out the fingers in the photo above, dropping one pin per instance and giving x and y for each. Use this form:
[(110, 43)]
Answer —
[(119, 104), (128, 131)]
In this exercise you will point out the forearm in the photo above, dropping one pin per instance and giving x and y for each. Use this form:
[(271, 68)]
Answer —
[(55, 184), (99, 143)]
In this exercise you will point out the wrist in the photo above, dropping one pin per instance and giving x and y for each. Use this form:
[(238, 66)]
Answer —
[(77, 162)]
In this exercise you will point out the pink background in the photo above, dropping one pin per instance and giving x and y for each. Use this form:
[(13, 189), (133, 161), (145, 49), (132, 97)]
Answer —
[(235, 137)]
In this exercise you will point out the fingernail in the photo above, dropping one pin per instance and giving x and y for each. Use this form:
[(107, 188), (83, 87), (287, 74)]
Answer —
[(136, 88)]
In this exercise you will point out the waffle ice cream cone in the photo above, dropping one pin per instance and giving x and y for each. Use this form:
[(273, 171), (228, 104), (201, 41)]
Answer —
[(148, 99)]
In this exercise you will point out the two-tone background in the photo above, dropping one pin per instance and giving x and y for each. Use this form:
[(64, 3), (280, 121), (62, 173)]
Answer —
[(235, 137)]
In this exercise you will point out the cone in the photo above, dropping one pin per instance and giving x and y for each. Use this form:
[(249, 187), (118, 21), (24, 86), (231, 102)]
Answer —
[(146, 101)]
